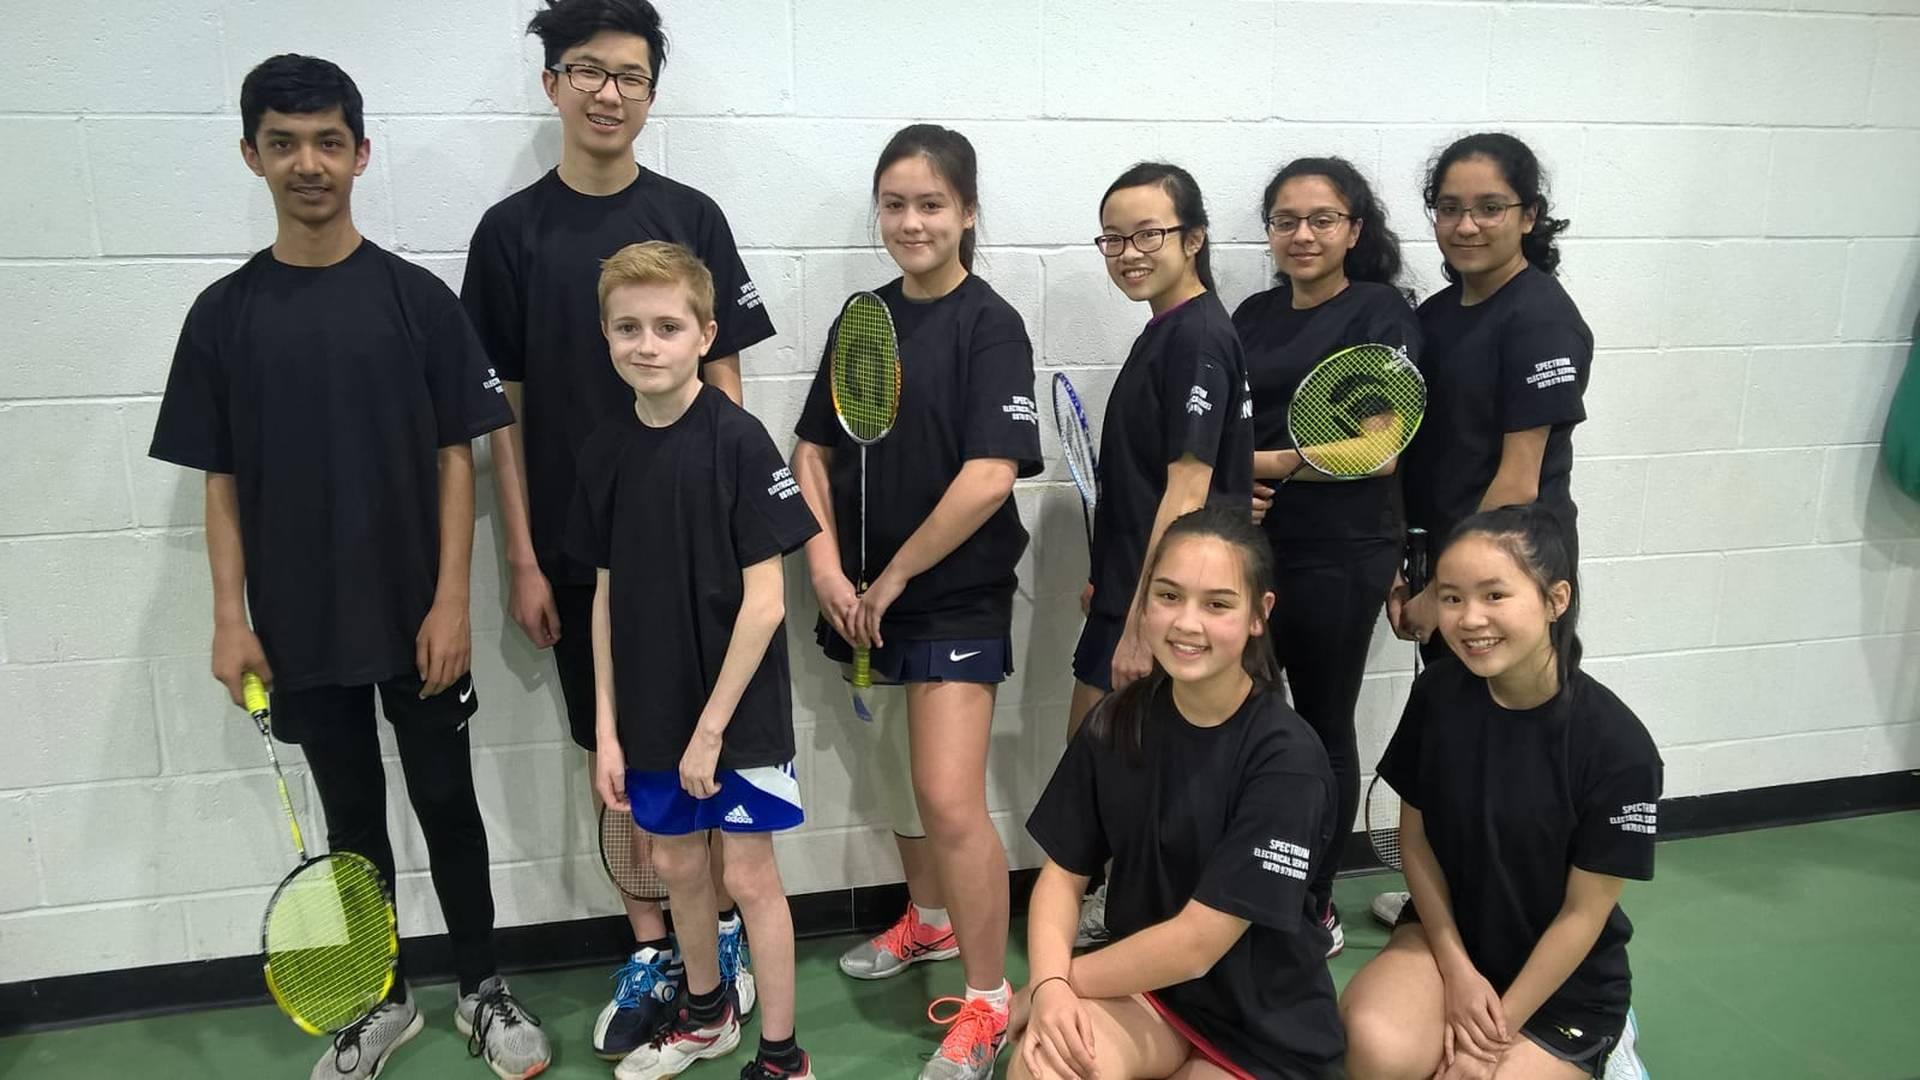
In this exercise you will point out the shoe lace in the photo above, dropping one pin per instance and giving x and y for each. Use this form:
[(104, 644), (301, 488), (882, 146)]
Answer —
[(733, 954), (636, 980), (347, 1039), (975, 1025), (898, 938), (497, 1005)]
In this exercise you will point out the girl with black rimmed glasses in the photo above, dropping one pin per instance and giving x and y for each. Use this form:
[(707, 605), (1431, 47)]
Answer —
[(1178, 430), (1335, 545)]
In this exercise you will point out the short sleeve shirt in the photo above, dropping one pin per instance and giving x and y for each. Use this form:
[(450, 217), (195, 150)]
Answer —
[(1518, 360), (532, 289), (1510, 800), (1182, 391), (966, 368), (675, 514), (327, 392), (1238, 817)]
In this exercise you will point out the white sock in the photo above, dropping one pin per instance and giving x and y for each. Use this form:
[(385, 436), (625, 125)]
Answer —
[(999, 997), (935, 917)]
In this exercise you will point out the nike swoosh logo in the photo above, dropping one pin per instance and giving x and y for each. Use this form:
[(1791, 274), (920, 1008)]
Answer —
[(956, 655), (467, 694)]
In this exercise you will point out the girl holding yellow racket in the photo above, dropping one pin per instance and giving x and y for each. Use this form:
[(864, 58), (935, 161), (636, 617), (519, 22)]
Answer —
[(1335, 539), (920, 420)]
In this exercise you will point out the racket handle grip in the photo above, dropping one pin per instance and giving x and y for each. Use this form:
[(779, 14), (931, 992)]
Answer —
[(253, 692), (862, 667)]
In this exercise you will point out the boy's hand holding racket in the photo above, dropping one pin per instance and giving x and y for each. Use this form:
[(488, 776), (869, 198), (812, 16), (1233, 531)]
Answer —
[(237, 651), (610, 770)]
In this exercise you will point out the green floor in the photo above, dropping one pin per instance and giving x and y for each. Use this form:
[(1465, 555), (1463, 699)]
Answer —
[(1780, 954)]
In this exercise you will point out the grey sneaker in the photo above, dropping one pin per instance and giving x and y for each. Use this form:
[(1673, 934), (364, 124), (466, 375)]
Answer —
[(734, 958), (502, 1032), (1093, 921), (361, 1050), (907, 942), (975, 1036), (1387, 906)]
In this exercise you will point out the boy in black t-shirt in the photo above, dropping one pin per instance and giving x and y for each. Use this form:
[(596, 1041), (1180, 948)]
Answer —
[(330, 391), (532, 270), (1530, 795), (686, 508)]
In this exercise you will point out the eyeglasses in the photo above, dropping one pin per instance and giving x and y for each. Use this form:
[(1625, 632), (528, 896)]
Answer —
[(588, 79), (1485, 214), (1144, 241), (1320, 221)]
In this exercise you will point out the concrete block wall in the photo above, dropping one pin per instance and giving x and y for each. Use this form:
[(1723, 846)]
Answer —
[(1746, 245)]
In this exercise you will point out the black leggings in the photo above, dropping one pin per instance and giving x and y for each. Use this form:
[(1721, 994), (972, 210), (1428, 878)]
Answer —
[(342, 748), (1328, 596)]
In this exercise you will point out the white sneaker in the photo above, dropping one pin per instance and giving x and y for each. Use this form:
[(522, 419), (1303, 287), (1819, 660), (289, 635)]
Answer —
[(361, 1050), (1387, 906), (680, 1045), (1624, 1062), (734, 958), (1093, 921)]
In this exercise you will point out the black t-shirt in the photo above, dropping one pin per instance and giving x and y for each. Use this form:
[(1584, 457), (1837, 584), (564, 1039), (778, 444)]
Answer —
[(1183, 390), (1283, 345), (676, 513), (1510, 799), (966, 368), (1517, 360), (532, 289), (1237, 817), (327, 393)]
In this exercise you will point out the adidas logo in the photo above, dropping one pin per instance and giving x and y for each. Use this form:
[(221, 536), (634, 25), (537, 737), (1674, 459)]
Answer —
[(739, 816)]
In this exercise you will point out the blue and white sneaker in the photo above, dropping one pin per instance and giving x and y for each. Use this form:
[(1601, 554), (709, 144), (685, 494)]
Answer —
[(734, 959), (1624, 1062), (646, 997)]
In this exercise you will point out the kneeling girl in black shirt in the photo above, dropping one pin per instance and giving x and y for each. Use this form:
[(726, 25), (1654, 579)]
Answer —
[(1529, 796), (1215, 803)]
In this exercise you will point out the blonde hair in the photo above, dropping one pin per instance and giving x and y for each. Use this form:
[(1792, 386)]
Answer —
[(657, 262)]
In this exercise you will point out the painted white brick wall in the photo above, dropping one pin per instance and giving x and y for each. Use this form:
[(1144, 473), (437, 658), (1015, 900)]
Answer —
[(1746, 245)]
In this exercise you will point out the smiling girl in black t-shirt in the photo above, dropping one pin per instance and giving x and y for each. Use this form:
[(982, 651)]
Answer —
[(942, 537), (1335, 545), (1215, 804), (1506, 356), (1530, 794)]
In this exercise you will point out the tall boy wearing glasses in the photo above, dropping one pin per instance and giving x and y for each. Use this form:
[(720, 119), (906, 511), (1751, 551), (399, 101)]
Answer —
[(531, 290)]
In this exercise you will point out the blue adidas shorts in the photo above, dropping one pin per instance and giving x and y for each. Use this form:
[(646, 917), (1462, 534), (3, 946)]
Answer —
[(765, 798)]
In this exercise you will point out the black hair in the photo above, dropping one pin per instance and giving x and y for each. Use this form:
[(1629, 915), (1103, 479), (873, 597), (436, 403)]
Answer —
[(296, 85), (1523, 174), (951, 155), (1188, 205), (566, 23), (1120, 719), (1535, 537), (1376, 255)]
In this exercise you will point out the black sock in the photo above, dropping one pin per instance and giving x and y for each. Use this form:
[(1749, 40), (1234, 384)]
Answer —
[(664, 944), (708, 1007), (782, 1052), (730, 914), (397, 995), (467, 991)]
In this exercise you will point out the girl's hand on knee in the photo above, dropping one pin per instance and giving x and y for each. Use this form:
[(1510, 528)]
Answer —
[(1476, 1021), (1059, 1038)]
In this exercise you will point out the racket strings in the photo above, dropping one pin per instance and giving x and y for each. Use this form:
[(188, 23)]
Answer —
[(329, 942), (866, 370), (627, 854), (1357, 410), (1075, 444), (1383, 823)]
